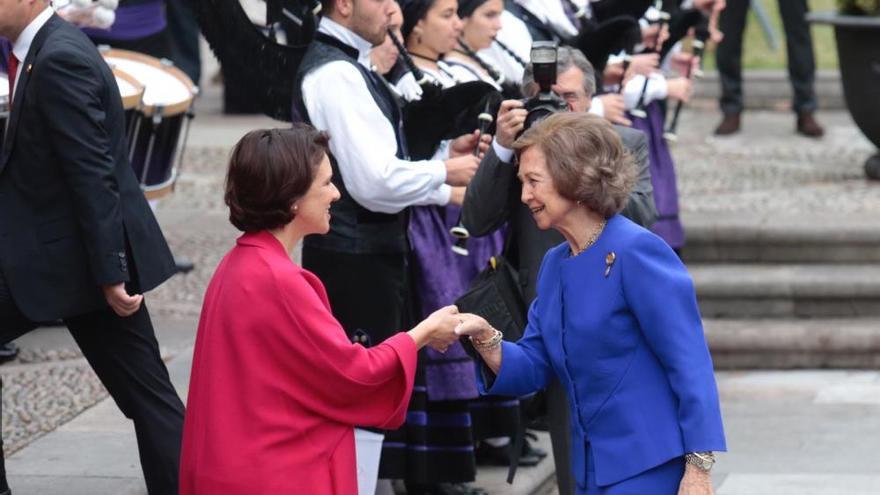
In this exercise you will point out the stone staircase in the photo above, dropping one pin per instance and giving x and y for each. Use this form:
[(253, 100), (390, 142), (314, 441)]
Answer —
[(787, 292)]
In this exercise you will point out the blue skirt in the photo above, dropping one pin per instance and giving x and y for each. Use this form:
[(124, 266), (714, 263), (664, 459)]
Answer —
[(661, 480)]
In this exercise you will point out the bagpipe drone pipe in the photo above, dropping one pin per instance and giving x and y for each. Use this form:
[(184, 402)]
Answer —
[(265, 56)]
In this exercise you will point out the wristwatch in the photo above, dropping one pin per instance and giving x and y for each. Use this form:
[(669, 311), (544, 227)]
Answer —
[(702, 460)]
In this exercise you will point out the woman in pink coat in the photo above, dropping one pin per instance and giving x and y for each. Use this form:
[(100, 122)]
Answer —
[(276, 385)]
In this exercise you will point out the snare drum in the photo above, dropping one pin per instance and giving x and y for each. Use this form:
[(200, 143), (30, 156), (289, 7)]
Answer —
[(156, 126), (4, 107), (132, 93)]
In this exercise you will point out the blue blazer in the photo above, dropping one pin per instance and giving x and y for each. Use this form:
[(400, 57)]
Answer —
[(628, 348)]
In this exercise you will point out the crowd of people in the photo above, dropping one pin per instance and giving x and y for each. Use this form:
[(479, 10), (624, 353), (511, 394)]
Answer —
[(413, 120)]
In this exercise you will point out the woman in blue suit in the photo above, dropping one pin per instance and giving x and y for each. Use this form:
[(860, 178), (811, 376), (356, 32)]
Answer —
[(616, 320)]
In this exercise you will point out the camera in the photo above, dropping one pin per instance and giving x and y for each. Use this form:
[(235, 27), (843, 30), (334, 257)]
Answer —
[(546, 102)]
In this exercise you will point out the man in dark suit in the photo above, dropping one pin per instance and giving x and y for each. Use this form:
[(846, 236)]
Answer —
[(78, 241), (801, 65), (493, 198)]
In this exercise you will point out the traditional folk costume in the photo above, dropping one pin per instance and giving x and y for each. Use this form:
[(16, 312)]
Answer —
[(668, 225), (363, 259)]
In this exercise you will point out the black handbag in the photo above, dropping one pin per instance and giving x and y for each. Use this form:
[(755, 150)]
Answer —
[(496, 295)]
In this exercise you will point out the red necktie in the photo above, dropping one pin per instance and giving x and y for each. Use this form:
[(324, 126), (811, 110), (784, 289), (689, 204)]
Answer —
[(13, 71)]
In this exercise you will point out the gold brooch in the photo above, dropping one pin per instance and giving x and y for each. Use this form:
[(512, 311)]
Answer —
[(610, 258)]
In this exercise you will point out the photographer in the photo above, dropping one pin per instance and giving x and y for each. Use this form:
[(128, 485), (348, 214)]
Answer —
[(493, 198)]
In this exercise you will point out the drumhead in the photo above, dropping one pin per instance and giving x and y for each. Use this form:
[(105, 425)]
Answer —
[(130, 89), (165, 85)]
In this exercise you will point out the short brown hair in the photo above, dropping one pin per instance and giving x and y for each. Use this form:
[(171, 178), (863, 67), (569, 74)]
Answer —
[(269, 169), (585, 159)]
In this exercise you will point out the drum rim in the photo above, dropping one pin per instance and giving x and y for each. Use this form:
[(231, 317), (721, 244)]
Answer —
[(149, 110), (133, 101)]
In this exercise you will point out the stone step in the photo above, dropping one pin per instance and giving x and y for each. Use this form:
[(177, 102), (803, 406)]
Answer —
[(787, 290), (775, 344), (742, 238), (771, 88)]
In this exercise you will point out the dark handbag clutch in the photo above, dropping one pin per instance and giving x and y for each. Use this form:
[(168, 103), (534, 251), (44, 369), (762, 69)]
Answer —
[(496, 295)]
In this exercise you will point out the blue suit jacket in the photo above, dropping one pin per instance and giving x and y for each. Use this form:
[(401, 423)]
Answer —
[(629, 349)]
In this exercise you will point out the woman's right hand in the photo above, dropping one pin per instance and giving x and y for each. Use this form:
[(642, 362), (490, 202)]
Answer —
[(479, 329), (438, 329)]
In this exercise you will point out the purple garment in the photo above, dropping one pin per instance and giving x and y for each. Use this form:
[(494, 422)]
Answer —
[(133, 22), (5, 50), (440, 277), (668, 226)]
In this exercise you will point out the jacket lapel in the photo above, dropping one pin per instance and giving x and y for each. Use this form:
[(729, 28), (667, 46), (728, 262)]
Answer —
[(21, 86)]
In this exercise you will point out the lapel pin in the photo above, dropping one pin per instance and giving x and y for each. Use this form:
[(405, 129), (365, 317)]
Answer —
[(29, 68), (610, 258)]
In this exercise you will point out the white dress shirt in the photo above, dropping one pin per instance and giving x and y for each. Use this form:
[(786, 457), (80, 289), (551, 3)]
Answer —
[(22, 45), (362, 139), (552, 13)]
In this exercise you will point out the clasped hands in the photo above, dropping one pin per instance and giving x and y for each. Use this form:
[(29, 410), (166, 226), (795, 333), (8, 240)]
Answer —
[(443, 327)]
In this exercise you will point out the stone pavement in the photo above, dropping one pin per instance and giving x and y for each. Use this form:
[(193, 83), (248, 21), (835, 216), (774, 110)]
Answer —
[(790, 432)]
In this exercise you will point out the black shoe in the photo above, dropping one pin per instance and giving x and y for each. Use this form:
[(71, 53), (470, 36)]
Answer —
[(183, 265), (460, 489), (8, 352), (442, 489), (529, 449)]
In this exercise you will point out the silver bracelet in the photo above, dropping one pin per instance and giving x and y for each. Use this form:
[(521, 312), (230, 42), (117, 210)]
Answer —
[(490, 343)]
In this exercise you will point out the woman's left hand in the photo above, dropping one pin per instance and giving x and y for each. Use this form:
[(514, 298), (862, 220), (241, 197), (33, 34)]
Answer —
[(695, 482)]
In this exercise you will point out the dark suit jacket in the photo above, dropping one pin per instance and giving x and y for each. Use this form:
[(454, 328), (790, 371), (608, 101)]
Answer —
[(493, 197), (70, 206)]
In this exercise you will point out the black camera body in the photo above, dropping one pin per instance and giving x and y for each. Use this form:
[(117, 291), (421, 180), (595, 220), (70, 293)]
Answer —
[(546, 102)]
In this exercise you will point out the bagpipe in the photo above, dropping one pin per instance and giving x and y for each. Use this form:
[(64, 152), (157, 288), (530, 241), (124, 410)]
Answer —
[(268, 57)]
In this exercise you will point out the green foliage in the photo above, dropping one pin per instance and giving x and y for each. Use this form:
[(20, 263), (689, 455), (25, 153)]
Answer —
[(859, 7)]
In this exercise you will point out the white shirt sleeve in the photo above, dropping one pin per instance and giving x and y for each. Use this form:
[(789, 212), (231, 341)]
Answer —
[(597, 107), (656, 90), (503, 153), (364, 144)]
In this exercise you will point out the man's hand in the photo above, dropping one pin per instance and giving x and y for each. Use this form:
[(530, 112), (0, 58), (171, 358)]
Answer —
[(643, 64), (679, 88), (456, 196), (119, 300), (653, 37), (511, 121), (695, 482), (460, 170), (684, 62), (614, 109), (465, 144)]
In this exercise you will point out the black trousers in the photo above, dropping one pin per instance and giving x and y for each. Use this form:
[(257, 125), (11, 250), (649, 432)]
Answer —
[(558, 419), (125, 355), (184, 30), (367, 292), (799, 46)]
